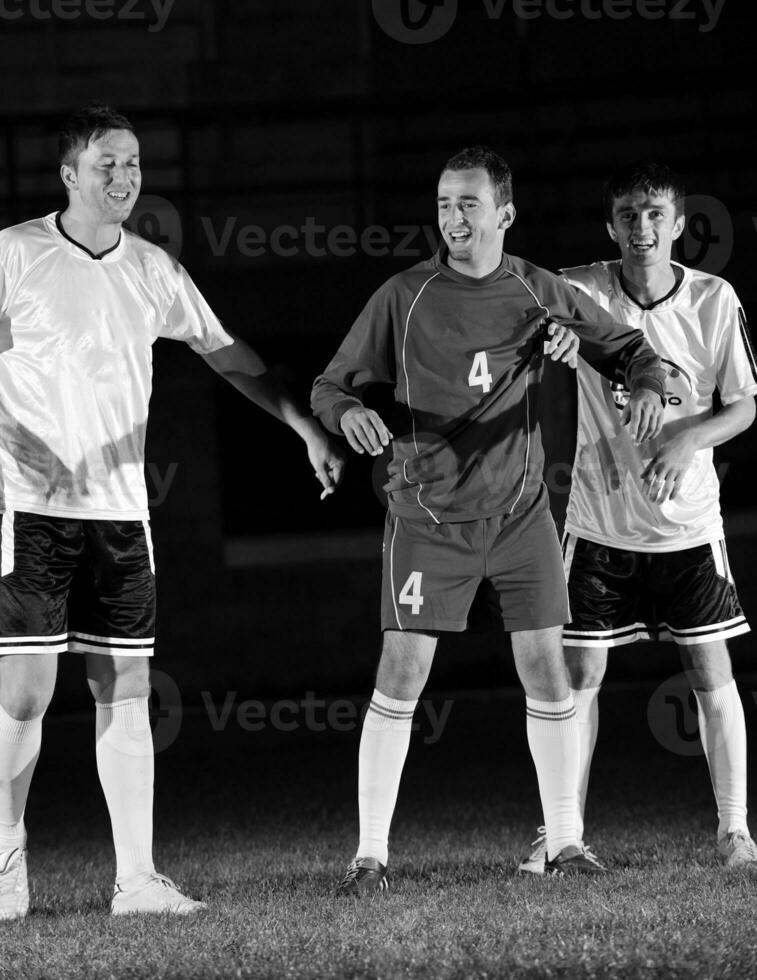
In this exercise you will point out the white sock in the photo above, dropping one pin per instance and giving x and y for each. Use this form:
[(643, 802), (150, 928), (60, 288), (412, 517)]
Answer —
[(19, 750), (723, 733), (587, 716), (383, 748), (552, 732), (126, 764)]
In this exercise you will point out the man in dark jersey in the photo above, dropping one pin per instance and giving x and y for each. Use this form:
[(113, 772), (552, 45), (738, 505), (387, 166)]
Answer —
[(461, 338)]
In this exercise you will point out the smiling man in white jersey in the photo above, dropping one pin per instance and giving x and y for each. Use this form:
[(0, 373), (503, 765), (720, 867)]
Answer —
[(460, 337), (643, 548), (81, 302)]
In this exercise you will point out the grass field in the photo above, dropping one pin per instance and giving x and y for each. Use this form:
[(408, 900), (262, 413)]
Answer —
[(261, 826)]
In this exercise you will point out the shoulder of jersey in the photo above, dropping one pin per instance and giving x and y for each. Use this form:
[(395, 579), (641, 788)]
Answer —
[(148, 252), (706, 281), (34, 228), (596, 276)]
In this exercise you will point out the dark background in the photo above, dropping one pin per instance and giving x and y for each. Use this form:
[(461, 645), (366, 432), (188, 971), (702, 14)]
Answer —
[(297, 119)]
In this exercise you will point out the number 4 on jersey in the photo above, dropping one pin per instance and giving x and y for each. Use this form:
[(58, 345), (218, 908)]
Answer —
[(411, 592), (479, 372)]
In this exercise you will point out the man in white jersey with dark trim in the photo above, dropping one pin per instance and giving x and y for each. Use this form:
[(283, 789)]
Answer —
[(82, 300), (643, 548)]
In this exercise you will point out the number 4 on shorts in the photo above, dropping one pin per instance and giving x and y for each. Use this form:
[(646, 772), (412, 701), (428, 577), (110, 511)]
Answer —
[(410, 594)]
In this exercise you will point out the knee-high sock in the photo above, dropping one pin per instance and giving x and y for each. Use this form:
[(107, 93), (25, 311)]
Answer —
[(723, 734), (383, 748), (552, 732), (587, 716), (125, 764), (19, 750)]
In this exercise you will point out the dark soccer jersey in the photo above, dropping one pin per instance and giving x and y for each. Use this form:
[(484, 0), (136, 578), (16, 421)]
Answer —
[(465, 357)]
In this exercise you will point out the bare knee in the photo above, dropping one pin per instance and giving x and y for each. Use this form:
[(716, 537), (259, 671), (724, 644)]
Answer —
[(117, 678), (27, 683), (586, 666), (405, 664), (707, 665)]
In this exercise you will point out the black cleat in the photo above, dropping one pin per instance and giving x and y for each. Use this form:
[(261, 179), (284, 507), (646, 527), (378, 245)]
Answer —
[(364, 878), (574, 860)]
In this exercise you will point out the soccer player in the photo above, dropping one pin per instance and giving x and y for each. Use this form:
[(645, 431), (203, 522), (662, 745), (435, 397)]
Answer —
[(460, 337), (82, 302), (643, 547)]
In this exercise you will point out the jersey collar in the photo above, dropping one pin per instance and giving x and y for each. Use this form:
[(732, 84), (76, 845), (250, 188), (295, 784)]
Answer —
[(681, 275), (440, 262), (77, 248)]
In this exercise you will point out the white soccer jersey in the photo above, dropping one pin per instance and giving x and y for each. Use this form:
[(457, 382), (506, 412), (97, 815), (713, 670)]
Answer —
[(701, 335), (76, 335)]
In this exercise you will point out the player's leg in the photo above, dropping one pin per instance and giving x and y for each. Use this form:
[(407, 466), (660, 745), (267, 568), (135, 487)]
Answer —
[(112, 620), (37, 560), (426, 586), (723, 733), (27, 682), (525, 568), (700, 615), (403, 670), (586, 671)]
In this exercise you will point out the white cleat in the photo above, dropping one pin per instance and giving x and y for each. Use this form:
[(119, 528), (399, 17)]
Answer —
[(534, 863), (14, 885), (152, 893), (737, 850)]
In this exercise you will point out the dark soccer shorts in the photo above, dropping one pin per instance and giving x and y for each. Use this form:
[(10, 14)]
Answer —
[(87, 586), (619, 596), (510, 565)]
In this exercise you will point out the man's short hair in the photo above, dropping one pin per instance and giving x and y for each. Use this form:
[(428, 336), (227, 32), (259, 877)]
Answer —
[(85, 125), (475, 157), (647, 176)]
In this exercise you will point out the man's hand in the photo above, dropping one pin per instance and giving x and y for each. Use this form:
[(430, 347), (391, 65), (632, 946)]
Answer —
[(327, 461), (365, 431), (564, 344), (643, 415), (663, 476)]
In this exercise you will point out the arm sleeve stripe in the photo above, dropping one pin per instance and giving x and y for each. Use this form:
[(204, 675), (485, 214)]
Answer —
[(747, 343)]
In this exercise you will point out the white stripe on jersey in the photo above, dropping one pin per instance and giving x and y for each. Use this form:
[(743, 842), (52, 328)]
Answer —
[(699, 336), (407, 386), (7, 540)]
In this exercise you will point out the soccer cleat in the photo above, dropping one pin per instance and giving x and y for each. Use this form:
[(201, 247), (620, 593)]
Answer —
[(737, 849), (574, 860), (14, 886), (534, 863), (364, 877), (152, 893)]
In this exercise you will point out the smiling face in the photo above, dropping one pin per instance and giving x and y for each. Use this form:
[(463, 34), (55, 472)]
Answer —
[(472, 224), (645, 225), (104, 182)]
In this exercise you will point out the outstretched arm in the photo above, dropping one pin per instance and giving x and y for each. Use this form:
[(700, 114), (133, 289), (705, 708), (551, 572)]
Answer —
[(239, 364), (665, 472)]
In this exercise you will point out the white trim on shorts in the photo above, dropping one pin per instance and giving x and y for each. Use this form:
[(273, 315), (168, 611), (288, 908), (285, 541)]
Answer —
[(114, 646), (57, 643), (8, 549)]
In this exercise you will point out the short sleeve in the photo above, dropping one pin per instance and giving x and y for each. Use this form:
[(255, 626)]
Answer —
[(191, 319), (736, 368)]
